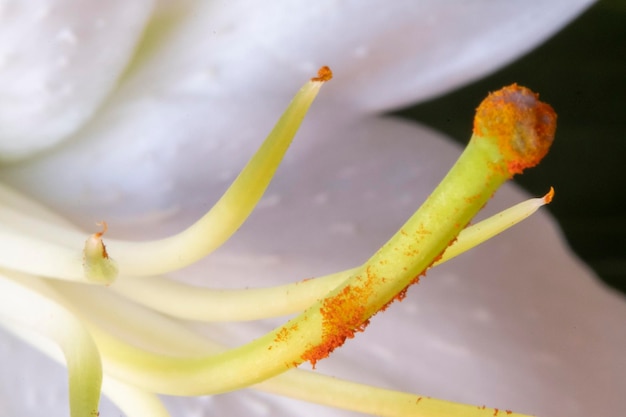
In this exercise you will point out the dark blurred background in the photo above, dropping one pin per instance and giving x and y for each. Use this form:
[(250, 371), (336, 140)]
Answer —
[(581, 72)]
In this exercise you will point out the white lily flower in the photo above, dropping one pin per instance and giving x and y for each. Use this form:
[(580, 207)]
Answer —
[(142, 113)]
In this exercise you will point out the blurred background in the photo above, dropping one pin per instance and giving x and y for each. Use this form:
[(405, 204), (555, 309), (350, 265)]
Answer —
[(581, 72)]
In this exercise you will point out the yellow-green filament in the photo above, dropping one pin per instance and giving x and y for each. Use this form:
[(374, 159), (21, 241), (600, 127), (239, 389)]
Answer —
[(232, 209), (194, 303), (97, 265)]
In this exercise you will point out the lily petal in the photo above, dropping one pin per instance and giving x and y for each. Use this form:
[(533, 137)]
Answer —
[(383, 54), (209, 79), (58, 62)]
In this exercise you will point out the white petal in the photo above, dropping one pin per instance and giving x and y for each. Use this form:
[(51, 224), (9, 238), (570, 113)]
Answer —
[(206, 89), (383, 53), (58, 61)]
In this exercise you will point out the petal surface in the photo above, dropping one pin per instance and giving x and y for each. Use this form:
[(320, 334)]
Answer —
[(210, 78), (58, 62), (383, 54)]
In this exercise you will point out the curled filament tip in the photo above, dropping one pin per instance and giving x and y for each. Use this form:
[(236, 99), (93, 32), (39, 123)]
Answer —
[(549, 196), (98, 235), (97, 265)]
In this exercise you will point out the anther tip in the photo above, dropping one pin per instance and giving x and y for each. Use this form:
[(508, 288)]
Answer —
[(323, 74), (523, 125), (549, 196)]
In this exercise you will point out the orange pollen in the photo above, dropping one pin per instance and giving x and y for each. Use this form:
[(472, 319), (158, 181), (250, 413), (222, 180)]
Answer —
[(523, 126), (548, 197), (323, 74), (343, 316)]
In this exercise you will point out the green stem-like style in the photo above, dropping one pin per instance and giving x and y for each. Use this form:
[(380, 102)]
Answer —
[(492, 156), (189, 302), (512, 131)]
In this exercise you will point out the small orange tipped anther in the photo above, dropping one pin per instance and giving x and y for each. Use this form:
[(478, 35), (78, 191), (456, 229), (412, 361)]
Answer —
[(323, 74), (105, 227), (97, 265), (95, 240), (548, 197), (523, 126)]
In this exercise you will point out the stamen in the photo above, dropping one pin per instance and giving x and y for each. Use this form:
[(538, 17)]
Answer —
[(97, 264), (324, 326), (523, 126), (512, 131), (229, 213), (323, 74)]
